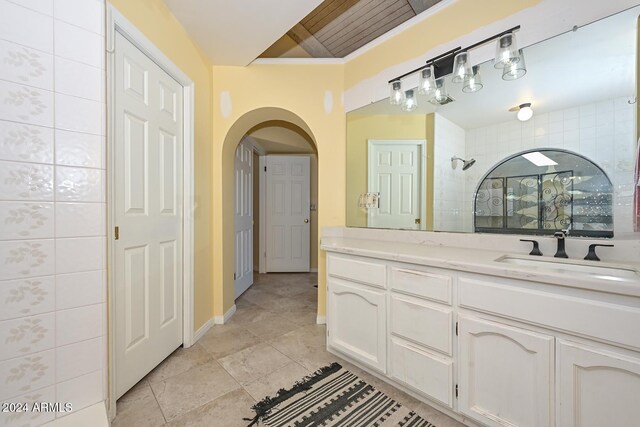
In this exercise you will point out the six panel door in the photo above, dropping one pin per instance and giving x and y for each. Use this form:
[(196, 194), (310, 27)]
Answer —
[(148, 213)]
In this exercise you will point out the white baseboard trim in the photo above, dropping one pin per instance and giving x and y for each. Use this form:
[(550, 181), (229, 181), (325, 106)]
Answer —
[(321, 320), (221, 320), (313, 270), (202, 330)]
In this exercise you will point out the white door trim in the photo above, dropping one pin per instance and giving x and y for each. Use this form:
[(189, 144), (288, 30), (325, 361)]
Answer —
[(423, 170), (262, 199), (117, 22)]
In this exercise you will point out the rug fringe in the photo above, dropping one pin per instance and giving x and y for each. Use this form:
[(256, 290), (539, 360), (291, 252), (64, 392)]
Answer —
[(264, 407)]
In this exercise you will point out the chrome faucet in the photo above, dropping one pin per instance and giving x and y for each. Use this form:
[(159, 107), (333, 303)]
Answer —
[(560, 237)]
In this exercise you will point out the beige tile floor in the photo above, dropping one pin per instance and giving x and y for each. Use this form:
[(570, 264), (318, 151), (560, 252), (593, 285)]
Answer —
[(271, 342)]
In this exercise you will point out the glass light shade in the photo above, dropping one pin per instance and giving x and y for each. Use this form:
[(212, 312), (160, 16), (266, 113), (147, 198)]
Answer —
[(410, 101), (506, 50), (396, 96), (525, 112), (516, 69), (427, 84), (461, 67), (440, 93), (473, 83)]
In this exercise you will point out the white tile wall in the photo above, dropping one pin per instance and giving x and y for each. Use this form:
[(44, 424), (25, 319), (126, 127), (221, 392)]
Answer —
[(603, 131), (52, 205), (450, 142)]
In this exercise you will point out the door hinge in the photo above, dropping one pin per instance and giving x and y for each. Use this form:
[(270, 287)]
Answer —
[(456, 328), (417, 221), (234, 276), (265, 168), (116, 232), (456, 391)]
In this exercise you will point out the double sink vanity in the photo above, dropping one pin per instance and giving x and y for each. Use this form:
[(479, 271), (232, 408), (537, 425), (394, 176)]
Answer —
[(477, 328)]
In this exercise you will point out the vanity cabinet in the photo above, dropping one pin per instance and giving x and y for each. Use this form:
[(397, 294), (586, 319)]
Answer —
[(497, 351), (356, 316), (596, 387), (505, 374)]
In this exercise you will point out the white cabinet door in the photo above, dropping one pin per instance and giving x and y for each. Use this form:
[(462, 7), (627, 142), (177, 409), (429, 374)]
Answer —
[(506, 374), (596, 388), (357, 325)]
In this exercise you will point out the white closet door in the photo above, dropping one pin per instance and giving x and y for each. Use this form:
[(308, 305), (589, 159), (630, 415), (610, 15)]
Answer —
[(148, 214), (395, 171), (287, 216), (244, 217)]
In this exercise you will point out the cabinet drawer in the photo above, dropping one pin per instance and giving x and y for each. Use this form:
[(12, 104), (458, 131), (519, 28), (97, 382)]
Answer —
[(433, 286), (428, 374), (422, 322), (615, 323), (371, 273)]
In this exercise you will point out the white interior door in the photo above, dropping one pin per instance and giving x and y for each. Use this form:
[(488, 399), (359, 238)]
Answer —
[(244, 217), (287, 213), (396, 172), (148, 213)]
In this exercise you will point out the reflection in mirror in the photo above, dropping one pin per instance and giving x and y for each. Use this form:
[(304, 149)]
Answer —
[(544, 191), (581, 89)]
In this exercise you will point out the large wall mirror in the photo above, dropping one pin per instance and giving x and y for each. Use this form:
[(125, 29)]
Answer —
[(472, 166)]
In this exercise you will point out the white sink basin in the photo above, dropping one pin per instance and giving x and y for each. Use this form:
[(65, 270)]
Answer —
[(606, 272)]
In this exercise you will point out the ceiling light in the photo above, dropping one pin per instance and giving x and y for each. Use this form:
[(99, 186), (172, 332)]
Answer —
[(410, 102), (461, 67), (539, 159), (516, 69), (427, 84), (506, 50), (397, 95), (473, 83), (525, 112)]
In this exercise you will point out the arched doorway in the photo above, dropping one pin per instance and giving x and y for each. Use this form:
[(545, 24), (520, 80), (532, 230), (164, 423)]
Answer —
[(256, 121)]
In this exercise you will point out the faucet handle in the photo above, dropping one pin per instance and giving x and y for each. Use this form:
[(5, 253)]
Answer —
[(591, 255), (536, 248)]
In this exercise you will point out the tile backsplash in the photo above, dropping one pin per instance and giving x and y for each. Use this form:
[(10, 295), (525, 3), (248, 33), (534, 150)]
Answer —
[(52, 205)]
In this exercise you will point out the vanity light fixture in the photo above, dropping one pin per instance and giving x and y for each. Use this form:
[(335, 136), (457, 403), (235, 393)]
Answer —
[(506, 50), (410, 102), (396, 97), (461, 67), (515, 69), (473, 83), (458, 63), (427, 81)]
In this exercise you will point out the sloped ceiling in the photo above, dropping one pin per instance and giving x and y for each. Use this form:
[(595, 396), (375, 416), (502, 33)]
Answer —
[(237, 32), (336, 28)]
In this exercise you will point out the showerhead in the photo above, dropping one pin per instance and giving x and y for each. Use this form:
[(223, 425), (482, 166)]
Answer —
[(466, 164)]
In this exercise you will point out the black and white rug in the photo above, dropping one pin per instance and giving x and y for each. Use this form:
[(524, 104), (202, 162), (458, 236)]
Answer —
[(333, 396)]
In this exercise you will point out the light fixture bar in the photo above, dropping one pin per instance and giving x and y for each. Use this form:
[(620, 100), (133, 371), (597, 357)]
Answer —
[(433, 61), (429, 62)]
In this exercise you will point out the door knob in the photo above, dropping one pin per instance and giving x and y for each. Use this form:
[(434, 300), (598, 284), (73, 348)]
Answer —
[(306, 220)]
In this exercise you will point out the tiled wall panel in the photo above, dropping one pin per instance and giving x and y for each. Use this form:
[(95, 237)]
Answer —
[(52, 205)]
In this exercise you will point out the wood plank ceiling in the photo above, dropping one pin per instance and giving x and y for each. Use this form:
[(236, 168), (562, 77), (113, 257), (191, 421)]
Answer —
[(336, 28)]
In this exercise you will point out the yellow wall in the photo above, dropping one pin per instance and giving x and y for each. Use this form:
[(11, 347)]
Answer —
[(456, 20), (361, 128), (158, 24), (258, 93)]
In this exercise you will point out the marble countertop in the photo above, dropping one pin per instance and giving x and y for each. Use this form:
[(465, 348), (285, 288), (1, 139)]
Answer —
[(485, 262)]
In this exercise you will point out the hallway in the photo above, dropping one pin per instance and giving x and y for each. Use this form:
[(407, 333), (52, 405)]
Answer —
[(271, 342)]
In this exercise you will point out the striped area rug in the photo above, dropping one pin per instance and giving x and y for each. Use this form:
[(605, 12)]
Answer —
[(333, 396)]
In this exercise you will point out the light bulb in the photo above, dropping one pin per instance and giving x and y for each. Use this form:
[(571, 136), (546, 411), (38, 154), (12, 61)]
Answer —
[(397, 95), (525, 112)]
